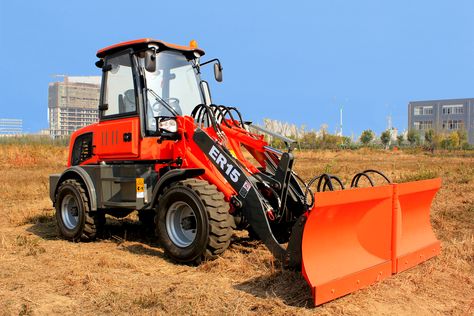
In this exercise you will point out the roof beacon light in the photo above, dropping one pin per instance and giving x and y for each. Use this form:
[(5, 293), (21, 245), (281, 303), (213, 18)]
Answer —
[(193, 44)]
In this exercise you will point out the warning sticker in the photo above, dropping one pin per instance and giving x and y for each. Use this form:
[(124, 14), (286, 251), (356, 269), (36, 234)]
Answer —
[(140, 188), (245, 189)]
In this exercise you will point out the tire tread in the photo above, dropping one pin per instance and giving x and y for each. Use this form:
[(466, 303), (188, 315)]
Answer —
[(221, 222), (90, 229)]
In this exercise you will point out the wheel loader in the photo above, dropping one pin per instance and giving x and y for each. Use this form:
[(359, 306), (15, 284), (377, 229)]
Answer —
[(197, 171)]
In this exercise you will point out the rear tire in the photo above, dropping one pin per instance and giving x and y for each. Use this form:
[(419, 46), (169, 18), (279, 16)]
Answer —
[(74, 219), (193, 221)]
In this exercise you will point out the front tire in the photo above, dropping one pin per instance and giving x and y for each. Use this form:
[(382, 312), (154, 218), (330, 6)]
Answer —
[(193, 221), (73, 215)]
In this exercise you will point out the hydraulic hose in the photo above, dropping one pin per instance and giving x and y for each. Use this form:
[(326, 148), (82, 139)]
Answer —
[(355, 180), (324, 181)]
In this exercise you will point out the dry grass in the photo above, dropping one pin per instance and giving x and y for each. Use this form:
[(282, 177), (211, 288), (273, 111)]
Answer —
[(127, 273)]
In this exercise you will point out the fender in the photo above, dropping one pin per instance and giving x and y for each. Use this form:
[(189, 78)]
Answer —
[(75, 172), (173, 176)]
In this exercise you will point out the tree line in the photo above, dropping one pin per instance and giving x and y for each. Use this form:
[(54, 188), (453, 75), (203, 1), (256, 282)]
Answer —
[(429, 139), (322, 139)]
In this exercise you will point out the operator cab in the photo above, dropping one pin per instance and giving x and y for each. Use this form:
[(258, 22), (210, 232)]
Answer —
[(146, 84), (151, 78)]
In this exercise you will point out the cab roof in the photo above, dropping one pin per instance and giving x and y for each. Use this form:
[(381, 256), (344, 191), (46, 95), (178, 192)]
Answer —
[(142, 44)]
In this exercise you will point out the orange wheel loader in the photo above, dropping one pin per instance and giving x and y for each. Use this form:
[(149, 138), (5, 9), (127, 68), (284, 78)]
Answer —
[(161, 147)]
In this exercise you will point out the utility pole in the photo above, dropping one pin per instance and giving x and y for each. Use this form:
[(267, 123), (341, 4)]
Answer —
[(341, 110), (389, 122), (340, 120), (389, 128)]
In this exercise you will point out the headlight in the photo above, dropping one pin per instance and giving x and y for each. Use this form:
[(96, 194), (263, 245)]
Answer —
[(168, 125)]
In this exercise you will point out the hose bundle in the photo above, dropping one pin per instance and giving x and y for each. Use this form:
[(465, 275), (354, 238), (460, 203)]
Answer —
[(325, 182)]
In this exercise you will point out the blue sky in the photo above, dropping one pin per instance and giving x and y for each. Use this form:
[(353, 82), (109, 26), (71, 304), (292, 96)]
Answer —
[(288, 60)]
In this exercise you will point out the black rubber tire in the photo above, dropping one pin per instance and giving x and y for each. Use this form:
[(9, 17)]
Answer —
[(214, 223), (87, 224)]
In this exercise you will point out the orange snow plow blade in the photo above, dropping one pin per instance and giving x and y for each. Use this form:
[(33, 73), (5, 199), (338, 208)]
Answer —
[(414, 240), (354, 238), (347, 241)]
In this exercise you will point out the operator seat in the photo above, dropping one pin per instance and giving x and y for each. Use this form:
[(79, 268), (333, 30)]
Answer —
[(129, 101)]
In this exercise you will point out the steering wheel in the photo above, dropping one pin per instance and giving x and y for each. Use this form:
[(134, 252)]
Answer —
[(161, 110)]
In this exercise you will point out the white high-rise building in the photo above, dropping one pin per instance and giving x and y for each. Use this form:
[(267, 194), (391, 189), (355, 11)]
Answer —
[(10, 127)]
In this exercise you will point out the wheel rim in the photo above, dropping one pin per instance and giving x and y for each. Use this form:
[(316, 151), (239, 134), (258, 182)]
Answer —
[(181, 224), (70, 211)]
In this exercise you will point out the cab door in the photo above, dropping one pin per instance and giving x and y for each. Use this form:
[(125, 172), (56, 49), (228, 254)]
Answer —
[(118, 131)]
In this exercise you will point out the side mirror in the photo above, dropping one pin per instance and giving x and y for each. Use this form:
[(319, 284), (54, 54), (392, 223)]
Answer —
[(99, 63), (206, 92), (150, 60), (218, 71)]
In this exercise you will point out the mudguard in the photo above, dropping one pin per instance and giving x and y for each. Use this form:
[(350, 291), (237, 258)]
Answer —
[(76, 172)]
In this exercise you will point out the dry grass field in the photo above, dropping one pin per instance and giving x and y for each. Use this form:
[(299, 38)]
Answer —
[(126, 272)]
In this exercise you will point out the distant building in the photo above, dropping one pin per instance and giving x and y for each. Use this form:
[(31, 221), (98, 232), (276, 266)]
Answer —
[(72, 104), (44, 132), (10, 127), (443, 116)]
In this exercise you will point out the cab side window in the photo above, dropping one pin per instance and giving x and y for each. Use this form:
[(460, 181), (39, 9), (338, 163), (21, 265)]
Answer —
[(119, 93)]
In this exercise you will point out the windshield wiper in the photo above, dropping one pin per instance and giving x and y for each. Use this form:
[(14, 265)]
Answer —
[(163, 102)]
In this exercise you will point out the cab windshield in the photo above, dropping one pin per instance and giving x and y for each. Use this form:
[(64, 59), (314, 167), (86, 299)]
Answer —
[(176, 82)]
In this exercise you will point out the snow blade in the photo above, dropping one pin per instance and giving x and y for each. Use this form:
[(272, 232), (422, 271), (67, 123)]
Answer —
[(353, 238), (347, 241), (414, 240)]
